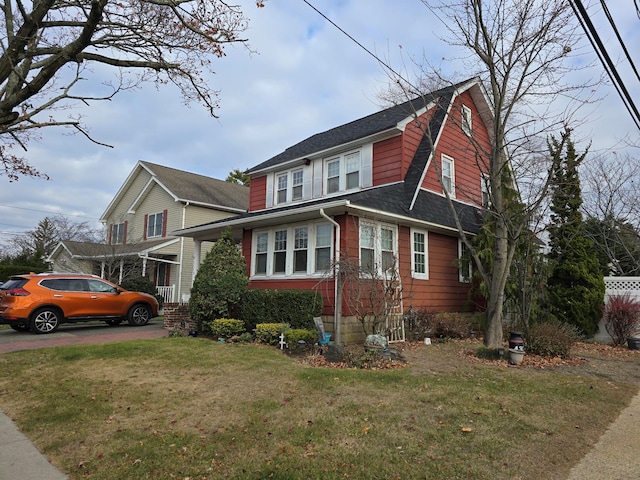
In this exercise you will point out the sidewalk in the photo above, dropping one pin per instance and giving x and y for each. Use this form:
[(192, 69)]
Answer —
[(616, 456)]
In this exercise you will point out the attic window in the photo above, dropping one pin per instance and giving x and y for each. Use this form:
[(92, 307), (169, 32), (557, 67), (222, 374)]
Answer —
[(466, 120), (343, 172)]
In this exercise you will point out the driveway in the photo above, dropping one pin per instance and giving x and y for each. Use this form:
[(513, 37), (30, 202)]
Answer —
[(77, 334)]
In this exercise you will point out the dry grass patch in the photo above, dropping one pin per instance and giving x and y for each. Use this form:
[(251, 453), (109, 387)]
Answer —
[(192, 408)]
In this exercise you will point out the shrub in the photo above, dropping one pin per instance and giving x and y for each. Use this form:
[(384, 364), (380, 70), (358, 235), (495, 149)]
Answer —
[(419, 322), (621, 316), (270, 332), (552, 338), (142, 284), (295, 307), (451, 325), (293, 337), (220, 282), (223, 327)]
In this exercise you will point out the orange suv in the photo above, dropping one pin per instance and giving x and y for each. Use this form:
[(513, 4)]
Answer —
[(41, 302)]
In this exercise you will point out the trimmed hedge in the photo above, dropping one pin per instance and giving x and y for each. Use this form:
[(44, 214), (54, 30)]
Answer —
[(295, 307), (7, 271), (269, 333), (223, 327)]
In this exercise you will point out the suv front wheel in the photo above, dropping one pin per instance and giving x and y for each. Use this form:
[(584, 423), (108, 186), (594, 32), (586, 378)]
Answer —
[(139, 315), (45, 320)]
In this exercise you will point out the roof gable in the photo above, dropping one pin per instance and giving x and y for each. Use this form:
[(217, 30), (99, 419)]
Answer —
[(186, 187)]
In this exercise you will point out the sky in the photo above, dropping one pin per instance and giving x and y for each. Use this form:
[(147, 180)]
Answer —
[(305, 77)]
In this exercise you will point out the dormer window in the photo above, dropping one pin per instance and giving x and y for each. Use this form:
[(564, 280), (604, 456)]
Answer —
[(296, 188), (343, 173), (289, 186)]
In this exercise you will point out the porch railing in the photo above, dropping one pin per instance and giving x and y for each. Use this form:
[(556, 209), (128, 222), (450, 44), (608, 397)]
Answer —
[(167, 293)]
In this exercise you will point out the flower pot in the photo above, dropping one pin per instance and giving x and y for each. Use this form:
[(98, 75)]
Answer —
[(515, 356), (633, 343)]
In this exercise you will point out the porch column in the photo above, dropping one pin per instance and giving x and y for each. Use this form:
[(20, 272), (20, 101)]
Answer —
[(197, 246), (144, 266), (121, 271)]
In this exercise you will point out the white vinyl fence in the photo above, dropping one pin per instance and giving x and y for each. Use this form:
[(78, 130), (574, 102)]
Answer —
[(617, 286)]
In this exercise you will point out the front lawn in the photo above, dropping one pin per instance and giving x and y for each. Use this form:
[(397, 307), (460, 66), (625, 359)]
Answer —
[(193, 408)]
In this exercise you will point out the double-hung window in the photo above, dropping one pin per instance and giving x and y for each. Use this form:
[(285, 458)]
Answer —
[(289, 186), (117, 233), (448, 175), (303, 249), (419, 258), (280, 252), (296, 188), (281, 192), (466, 119), (154, 225), (377, 248), (262, 247), (343, 172), (464, 262), (301, 244)]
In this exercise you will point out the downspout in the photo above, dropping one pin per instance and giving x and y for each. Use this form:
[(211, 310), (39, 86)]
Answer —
[(337, 299)]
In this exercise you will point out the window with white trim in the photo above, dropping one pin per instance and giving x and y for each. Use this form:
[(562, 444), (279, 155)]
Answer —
[(324, 236), (378, 247), (280, 252), (464, 263), (289, 186), (154, 225), (343, 172), (281, 192), (466, 120), (117, 234), (262, 245), (297, 182), (307, 253), (484, 187), (448, 175), (419, 256)]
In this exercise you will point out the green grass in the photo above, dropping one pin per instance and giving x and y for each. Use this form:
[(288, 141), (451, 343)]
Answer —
[(193, 408)]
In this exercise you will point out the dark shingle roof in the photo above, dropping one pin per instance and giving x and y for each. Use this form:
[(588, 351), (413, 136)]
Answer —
[(91, 249), (352, 131), (198, 188)]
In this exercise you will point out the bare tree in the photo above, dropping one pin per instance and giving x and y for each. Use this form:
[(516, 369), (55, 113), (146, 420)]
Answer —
[(47, 45), (521, 50)]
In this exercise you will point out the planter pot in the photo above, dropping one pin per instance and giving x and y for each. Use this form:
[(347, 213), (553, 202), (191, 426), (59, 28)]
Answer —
[(633, 343), (515, 356)]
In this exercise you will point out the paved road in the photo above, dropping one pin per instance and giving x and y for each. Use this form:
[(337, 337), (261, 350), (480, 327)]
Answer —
[(76, 334)]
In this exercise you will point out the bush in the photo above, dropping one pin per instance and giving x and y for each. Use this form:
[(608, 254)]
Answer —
[(220, 282), (419, 323), (142, 284), (621, 316), (552, 339), (451, 325), (295, 307), (293, 337), (269, 333), (223, 327)]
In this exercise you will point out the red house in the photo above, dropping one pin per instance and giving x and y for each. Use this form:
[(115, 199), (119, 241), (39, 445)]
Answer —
[(371, 193)]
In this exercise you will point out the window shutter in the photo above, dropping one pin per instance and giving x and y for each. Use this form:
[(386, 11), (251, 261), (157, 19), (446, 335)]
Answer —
[(367, 165), (146, 222), (317, 179), (164, 223), (124, 234), (110, 233), (269, 202)]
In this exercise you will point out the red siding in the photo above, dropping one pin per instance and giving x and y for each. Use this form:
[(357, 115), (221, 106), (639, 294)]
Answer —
[(387, 161), (468, 161), (258, 193)]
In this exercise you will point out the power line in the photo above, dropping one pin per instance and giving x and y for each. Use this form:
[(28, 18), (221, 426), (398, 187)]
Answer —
[(49, 212), (604, 58)]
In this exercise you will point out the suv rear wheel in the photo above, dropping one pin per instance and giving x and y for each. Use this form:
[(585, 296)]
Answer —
[(45, 320), (139, 315)]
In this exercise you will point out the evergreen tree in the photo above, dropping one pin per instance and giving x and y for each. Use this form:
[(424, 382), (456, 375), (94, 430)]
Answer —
[(576, 285), (219, 283)]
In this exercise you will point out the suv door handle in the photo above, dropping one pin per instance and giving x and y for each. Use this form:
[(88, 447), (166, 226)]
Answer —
[(95, 296), (58, 295)]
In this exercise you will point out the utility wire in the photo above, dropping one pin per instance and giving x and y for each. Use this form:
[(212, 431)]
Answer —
[(383, 63), (608, 65), (615, 29)]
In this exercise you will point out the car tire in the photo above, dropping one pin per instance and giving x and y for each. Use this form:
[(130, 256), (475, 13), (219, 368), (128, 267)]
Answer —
[(45, 320), (113, 323), (139, 315), (20, 327)]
